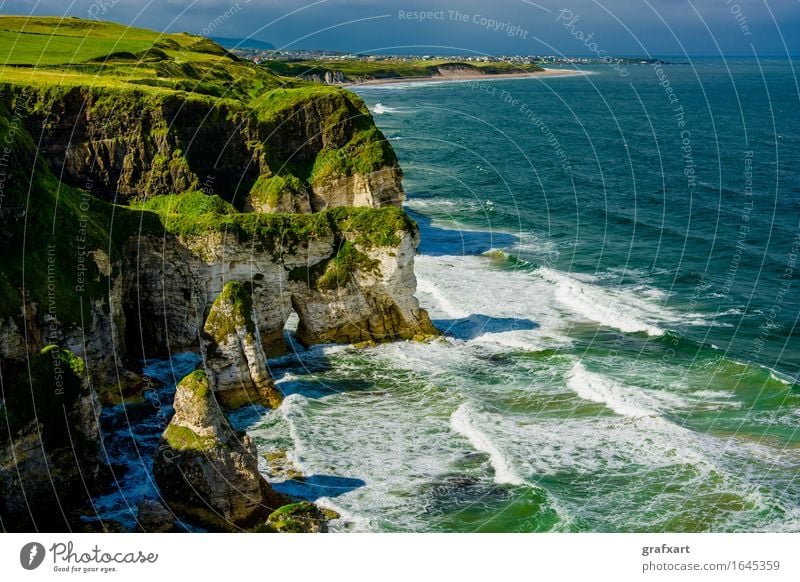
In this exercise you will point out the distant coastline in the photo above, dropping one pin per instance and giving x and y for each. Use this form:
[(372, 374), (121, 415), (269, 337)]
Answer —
[(467, 76)]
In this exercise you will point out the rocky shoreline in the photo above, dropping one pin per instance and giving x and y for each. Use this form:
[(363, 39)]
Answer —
[(168, 243)]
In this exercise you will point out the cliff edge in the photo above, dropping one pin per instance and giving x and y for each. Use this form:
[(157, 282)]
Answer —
[(168, 196)]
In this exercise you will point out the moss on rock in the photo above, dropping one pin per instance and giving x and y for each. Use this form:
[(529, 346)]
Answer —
[(301, 517), (45, 392), (268, 192), (187, 204), (343, 266), (221, 323), (182, 438)]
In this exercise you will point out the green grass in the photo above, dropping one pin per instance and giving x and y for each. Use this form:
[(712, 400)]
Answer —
[(272, 103), (388, 69), (367, 151), (74, 52), (370, 227), (54, 41), (373, 227), (188, 204), (271, 190), (19, 48), (340, 269)]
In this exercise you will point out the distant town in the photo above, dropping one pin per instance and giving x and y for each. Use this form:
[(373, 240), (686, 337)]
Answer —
[(264, 55)]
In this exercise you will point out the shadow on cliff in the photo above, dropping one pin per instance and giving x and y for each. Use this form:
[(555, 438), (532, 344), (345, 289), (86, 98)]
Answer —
[(476, 325), (437, 242), (315, 486)]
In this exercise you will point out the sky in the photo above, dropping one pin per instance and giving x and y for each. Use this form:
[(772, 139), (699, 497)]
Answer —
[(657, 28)]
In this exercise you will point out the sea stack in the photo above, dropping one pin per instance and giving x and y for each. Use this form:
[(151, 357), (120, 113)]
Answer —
[(235, 358), (208, 473)]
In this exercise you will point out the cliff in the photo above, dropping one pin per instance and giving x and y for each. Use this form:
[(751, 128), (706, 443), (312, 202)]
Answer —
[(54, 466), (347, 273), (128, 185), (300, 149)]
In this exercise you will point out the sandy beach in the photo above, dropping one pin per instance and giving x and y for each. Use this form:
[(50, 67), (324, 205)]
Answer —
[(470, 77)]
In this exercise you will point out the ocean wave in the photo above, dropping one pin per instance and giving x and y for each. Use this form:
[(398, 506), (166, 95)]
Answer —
[(623, 399), (480, 303), (381, 109), (616, 308), (463, 423)]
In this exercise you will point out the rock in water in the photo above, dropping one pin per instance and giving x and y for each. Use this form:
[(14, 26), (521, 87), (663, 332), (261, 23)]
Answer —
[(301, 517), (207, 473), (235, 358), (153, 517)]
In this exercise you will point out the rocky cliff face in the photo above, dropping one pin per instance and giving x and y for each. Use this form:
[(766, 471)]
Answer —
[(234, 356), (376, 190), (174, 262), (207, 472), (54, 465), (343, 287), (365, 294), (124, 145)]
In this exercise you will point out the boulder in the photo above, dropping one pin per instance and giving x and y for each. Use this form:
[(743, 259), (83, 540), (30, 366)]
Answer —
[(154, 517), (301, 517)]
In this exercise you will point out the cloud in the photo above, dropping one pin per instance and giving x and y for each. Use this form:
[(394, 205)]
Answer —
[(658, 27)]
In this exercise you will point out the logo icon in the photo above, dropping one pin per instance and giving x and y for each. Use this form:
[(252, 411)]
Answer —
[(31, 555)]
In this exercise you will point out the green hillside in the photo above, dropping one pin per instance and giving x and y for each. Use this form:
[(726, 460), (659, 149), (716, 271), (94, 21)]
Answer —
[(72, 52), (53, 41)]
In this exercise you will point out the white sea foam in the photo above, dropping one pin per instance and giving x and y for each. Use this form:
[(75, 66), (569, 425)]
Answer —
[(380, 109), (388, 444), (617, 308), (603, 390), (439, 298), (462, 422), (714, 394), (622, 398), (484, 305)]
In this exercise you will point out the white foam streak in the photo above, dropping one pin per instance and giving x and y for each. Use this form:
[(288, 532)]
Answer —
[(463, 423), (610, 307), (597, 388)]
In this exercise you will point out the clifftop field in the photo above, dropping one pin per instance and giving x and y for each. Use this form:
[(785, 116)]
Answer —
[(74, 52)]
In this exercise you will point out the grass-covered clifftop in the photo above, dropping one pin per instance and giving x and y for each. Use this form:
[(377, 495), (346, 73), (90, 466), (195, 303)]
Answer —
[(195, 214), (138, 113)]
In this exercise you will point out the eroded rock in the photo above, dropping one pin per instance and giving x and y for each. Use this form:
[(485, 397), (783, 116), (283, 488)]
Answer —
[(208, 473), (235, 358)]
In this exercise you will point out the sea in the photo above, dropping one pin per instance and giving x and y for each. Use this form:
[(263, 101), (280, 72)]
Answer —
[(613, 261)]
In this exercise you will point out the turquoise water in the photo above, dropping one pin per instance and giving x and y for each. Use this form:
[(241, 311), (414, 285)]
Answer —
[(612, 363), (621, 355)]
